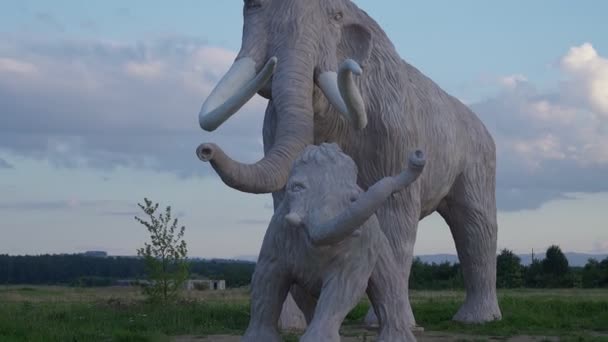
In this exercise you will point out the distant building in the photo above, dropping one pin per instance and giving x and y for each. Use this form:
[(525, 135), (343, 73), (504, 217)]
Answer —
[(96, 254), (205, 284), (189, 285)]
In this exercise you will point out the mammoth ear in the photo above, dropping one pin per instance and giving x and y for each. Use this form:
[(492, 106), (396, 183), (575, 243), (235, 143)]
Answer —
[(356, 44)]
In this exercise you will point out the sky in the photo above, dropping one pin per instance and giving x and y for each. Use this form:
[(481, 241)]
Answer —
[(99, 108)]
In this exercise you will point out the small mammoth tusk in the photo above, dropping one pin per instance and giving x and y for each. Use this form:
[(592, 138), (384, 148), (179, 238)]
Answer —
[(342, 92), (293, 219), (351, 94)]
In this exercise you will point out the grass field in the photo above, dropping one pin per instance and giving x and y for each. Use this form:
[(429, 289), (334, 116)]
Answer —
[(121, 314)]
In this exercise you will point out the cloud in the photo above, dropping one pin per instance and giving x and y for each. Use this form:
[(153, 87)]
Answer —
[(107, 104), (121, 213), (13, 66), (600, 247), (5, 165), (589, 77), (149, 69), (253, 222), (512, 81), (528, 198), (550, 142), (67, 204)]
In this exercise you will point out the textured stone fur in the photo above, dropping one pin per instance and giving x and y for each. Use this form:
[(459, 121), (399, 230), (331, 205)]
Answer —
[(323, 184), (406, 110)]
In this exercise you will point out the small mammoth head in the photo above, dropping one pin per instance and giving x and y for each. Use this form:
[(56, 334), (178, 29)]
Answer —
[(323, 182)]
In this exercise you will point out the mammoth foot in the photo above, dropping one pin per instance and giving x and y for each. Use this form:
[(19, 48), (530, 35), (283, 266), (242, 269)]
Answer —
[(388, 335), (261, 334), (478, 309), (371, 321), (313, 335)]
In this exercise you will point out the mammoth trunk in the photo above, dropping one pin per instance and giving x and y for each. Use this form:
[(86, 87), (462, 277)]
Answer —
[(366, 204), (292, 88)]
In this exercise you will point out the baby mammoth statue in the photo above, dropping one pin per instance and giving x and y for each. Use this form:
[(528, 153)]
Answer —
[(325, 237)]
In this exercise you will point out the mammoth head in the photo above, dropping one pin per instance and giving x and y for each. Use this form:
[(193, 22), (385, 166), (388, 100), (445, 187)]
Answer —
[(322, 182), (322, 194), (288, 48)]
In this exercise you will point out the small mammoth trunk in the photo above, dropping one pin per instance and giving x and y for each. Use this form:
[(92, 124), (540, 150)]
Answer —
[(365, 205)]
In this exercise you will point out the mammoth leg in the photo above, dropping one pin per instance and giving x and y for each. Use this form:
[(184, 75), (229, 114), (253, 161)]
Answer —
[(399, 221), (306, 302), (297, 309), (385, 291), (470, 211), (338, 296), (269, 288), (291, 317)]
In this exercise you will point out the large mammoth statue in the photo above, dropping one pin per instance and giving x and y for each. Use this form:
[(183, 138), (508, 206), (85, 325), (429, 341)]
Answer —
[(376, 107)]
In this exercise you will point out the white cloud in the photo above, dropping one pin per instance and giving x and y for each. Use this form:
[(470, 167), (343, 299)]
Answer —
[(551, 142), (152, 69), (544, 110), (106, 104), (512, 81), (589, 76), (547, 147), (212, 59), (9, 65)]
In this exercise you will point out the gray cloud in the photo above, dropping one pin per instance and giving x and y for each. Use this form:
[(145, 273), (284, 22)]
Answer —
[(121, 213), (131, 210), (5, 165), (253, 222), (34, 205), (106, 105), (550, 143), (516, 199), (69, 204)]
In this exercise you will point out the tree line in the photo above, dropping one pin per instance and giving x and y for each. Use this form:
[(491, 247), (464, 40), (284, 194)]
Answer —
[(77, 269), (553, 271)]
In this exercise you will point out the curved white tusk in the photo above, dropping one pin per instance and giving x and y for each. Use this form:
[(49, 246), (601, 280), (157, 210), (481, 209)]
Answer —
[(237, 87), (328, 82), (342, 92), (351, 94)]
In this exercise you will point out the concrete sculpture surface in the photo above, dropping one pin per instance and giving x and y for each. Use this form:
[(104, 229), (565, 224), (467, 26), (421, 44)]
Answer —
[(325, 237), (331, 74)]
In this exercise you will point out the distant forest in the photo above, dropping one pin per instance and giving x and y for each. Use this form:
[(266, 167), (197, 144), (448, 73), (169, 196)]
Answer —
[(552, 271), (82, 270)]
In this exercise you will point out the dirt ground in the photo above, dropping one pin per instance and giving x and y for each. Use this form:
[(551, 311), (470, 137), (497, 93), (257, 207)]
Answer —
[(369, 337)]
